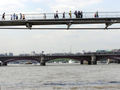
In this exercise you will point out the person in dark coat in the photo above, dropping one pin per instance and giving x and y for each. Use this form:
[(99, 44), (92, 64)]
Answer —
[(57, 14), (76, 14), (64, 15), (79, 14), (3, 16)]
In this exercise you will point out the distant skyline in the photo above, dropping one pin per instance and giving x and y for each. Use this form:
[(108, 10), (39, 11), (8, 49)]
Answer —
[(25, 41)]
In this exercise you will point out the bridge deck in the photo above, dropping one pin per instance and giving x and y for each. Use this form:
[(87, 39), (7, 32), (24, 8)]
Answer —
[(59, 21), (107, 18)]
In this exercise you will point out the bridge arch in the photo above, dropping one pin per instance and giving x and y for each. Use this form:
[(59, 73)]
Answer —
[(70, 58), (11, 60)]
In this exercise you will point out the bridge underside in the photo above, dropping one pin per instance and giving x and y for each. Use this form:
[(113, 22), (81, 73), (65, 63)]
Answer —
[(42, 59), (68, 22)]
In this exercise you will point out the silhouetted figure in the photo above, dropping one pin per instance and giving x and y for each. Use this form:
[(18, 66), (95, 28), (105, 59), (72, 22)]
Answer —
[(70, 14), (21, 16), (14, 16), (76, 14), (11, 17), (81, 14), (64, 15), (57, 14), (54, 16), (96, 15), (44, 16), (3, 16)]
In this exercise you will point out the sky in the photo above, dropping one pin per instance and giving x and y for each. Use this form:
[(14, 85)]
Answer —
[(58, 41)]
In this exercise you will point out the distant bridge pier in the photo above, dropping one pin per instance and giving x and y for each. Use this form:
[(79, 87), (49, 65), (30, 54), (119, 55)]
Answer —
[(4, 64), (93, 60), (0, 64), (89, 62), (42, 61), (82, 62), (118, 61)]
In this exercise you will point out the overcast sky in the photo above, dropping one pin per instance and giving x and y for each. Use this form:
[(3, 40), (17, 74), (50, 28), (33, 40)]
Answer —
[(26, 41)]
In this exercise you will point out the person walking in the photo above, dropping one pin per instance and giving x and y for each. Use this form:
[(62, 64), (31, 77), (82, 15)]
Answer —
[(63, 14), (11, 17), (57, 14), (79, 14), (14, 16), (20, 16), (3, 16), (23, 16), (96, 15), (76, 14), (70, 14), (54, 16), (44, 16)]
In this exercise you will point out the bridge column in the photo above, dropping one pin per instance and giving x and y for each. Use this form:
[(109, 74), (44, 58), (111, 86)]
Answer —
[(118, 61), (93, 60), (4, 64), (89, 62), (42, 61), (82, 62)]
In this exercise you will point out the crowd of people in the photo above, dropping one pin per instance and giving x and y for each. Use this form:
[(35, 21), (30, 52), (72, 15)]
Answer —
[(15, 16), (77, 14)]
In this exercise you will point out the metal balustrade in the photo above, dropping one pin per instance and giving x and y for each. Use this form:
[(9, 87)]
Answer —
[(29, 16)]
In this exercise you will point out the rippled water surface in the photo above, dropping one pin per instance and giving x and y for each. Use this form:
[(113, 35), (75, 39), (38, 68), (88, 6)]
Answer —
[(60, 77)]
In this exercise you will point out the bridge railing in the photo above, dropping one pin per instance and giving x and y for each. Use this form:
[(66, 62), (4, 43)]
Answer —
[(29, 16)]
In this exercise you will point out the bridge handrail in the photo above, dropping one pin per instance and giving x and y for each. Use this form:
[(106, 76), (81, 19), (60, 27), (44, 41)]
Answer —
[(51, 15)]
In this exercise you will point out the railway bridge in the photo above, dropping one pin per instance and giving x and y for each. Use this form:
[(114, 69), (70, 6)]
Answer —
[(42, 59)]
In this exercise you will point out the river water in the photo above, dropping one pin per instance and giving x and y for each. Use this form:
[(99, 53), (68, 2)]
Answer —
[(60, 77)]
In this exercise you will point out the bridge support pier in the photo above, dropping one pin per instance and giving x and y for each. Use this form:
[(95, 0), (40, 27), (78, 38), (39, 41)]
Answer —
[(89, 62), (42, 61), (93, 60), (118, 61), (4, 64), (82, 62)]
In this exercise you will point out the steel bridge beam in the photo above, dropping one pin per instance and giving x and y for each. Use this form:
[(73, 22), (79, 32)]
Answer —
[(68, 22)]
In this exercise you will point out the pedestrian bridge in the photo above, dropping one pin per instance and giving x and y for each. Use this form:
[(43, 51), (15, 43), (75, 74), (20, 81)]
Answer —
[(47, 19)]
